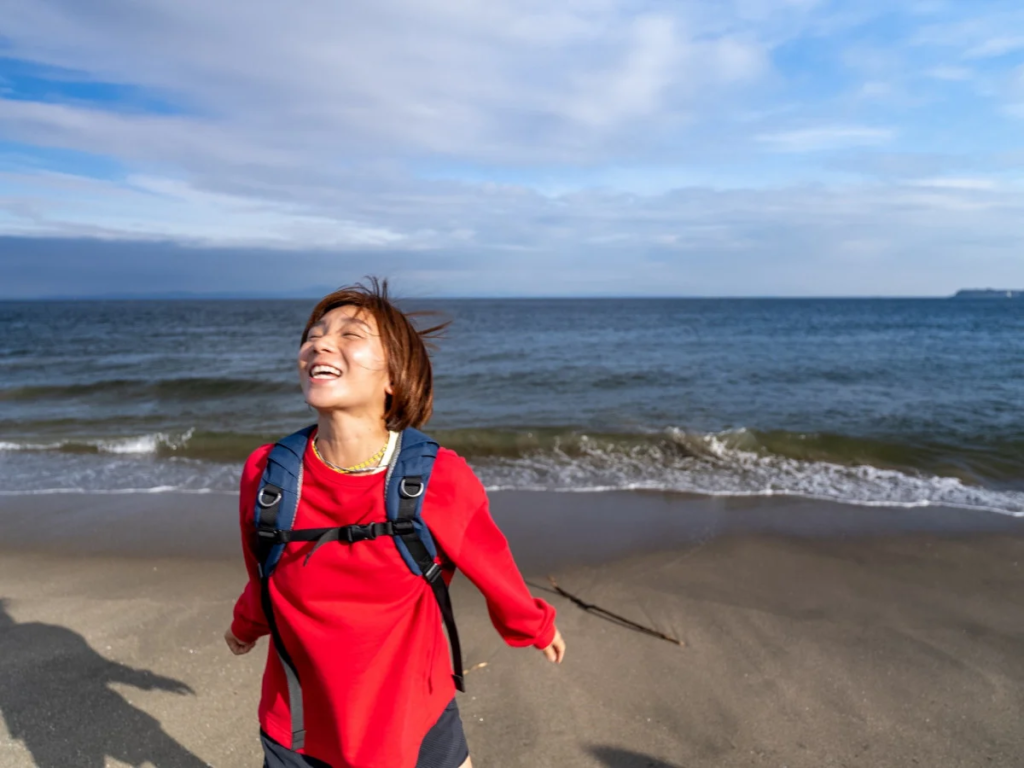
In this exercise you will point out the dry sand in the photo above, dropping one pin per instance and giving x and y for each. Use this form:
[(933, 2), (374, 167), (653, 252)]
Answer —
[(816, 635)]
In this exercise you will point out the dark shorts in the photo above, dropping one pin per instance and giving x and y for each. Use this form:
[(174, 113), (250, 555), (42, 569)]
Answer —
[(444, 746)]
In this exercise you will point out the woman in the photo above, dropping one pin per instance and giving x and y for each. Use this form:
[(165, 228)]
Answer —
[(356, 626)]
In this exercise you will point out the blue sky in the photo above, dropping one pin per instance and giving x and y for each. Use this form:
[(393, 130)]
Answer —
[(500, 147)]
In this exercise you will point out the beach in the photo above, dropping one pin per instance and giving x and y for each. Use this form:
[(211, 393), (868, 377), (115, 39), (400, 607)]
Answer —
[(719, 306), (814, 634)]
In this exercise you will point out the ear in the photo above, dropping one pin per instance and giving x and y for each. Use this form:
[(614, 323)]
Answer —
[(388, 389)]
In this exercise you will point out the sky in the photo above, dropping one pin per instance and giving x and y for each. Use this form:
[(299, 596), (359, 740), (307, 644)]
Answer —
[(511, 147)]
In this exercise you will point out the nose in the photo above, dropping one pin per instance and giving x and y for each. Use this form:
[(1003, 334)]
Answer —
[(324, 343)]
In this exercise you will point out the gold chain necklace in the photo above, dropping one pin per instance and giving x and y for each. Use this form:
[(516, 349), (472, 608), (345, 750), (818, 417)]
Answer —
[(360, 467)]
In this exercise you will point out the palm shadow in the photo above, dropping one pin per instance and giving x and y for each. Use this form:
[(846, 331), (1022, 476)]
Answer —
[(613, 757), (55, 698)]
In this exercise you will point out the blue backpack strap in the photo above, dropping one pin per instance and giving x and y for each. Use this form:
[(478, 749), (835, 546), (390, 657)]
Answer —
[(407, 480), (404, 489), (277, 501)]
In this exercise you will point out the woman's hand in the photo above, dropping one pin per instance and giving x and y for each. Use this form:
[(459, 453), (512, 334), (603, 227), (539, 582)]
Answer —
[(556, 651), (236, 646)]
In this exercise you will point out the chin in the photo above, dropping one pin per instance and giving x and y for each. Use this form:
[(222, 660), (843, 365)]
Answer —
[(319, 402), (324, 407)]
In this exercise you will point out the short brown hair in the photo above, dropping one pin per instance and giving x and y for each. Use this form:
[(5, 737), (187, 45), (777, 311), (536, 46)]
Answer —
[(405, 347)]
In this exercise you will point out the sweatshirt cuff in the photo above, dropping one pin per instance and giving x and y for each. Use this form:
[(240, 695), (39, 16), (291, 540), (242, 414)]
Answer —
[(245, 631), (546, 637)]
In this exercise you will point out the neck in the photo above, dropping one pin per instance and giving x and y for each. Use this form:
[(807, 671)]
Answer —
[(346, 440)]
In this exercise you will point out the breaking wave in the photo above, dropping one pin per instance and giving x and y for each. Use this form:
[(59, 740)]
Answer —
[(981, 474)]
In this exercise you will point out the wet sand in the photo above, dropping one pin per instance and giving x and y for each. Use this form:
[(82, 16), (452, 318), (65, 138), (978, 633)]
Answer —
[(815, 635), (546, 530)]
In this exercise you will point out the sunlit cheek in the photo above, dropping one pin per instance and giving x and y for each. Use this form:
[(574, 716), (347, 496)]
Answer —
[(369, 358), (373, 371)]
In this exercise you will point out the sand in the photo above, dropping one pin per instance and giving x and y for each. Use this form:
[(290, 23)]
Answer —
[(815, 635)]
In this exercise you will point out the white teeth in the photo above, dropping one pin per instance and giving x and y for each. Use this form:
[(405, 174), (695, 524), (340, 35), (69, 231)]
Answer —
[(324, 371)]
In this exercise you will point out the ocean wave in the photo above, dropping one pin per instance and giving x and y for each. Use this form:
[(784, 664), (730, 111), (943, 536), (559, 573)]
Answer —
[(159, 442), (711, 464), (975, 460), (736, 462)]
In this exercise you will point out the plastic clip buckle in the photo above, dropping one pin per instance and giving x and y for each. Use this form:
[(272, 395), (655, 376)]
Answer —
[(354, 533)]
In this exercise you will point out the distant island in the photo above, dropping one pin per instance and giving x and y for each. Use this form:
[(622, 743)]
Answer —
[(987, 293)]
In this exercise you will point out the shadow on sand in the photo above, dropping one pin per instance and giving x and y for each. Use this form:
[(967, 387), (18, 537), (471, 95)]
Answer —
[(613, 757), (55, 698)]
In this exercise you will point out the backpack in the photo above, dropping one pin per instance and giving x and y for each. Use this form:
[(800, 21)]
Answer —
[(405, 484)]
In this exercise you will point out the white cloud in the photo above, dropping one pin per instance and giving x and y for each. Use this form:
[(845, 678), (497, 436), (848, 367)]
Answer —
[(975, 31), (948, 182), (347, 127), (509, 79), (995, 46), (825, 138), (148, 208), (634, 86), (491, 218), (955, 74)]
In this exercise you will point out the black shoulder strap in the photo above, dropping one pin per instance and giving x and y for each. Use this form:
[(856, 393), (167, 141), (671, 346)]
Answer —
[(410, 490)]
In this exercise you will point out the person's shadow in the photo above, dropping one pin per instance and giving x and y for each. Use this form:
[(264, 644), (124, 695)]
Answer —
[(55, 698), (613, 757)]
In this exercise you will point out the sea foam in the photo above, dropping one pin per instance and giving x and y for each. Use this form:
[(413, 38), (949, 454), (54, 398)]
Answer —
[(711, 465)]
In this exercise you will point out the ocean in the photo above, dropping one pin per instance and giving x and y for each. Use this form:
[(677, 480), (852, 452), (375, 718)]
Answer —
[(908, 402)]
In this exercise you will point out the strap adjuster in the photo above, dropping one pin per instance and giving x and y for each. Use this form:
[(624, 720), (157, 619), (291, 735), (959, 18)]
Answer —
[(432, 572), (402, 527)]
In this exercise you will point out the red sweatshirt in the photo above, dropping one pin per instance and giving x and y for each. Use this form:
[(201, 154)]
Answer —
[(364, 632)]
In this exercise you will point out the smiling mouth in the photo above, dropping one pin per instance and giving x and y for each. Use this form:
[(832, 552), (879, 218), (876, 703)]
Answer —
[(324, 373)]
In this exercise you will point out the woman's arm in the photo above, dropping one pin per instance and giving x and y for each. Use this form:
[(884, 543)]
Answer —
[(520, 618), (249, 623), (484, 556), (459, 517)]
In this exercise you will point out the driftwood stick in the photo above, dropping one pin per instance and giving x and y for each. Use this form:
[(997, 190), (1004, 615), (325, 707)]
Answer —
[(591, 608)]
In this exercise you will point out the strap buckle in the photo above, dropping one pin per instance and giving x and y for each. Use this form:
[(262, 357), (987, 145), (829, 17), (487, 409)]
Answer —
[(354, 533)]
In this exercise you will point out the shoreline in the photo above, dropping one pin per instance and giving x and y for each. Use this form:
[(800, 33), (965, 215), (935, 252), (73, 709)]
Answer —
[(546, 529)]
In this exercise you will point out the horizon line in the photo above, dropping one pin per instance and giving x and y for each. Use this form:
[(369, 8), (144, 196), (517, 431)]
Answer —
[(480, 297)]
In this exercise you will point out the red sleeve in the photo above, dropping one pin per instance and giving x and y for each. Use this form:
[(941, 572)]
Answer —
[(249, 622), (459, 517)]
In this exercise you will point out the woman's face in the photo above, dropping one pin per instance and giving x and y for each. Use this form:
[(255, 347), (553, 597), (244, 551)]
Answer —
[(342, 364)]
